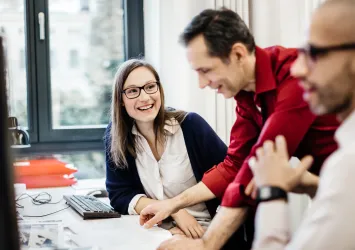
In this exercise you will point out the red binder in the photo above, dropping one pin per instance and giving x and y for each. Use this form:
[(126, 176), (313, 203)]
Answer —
[(41, 173)]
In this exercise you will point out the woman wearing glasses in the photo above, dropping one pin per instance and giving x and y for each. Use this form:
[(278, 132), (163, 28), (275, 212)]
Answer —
[(153, 153)]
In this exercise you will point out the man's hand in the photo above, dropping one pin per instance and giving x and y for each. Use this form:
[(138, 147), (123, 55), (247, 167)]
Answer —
[(188, 224), (176, 231), (156, 213), (223, 225), (251, 189), (271, 166), (182, 243), (307, 185)]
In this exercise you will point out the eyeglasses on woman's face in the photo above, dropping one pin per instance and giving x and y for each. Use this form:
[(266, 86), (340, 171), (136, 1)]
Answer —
[(134, 92)]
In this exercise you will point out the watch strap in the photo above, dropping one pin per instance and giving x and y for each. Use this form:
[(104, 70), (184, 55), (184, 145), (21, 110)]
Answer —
[(269, 193)]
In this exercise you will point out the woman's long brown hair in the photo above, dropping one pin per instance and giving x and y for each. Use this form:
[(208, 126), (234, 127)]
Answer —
[(123, 142)]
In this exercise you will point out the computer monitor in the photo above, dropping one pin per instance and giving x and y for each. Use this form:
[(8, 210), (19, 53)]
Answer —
[(9, 239)]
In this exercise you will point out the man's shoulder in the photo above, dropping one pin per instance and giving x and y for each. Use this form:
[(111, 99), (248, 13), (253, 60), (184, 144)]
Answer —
[(281, 56), (281, 52), (281, 60)]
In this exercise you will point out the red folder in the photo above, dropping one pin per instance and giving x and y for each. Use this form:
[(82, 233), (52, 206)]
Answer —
[(40, 173)]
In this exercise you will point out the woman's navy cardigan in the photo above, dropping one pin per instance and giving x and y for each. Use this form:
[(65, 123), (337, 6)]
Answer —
[(204, 147)]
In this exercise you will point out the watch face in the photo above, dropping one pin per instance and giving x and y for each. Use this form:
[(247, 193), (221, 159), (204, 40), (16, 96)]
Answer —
[(265, 193)]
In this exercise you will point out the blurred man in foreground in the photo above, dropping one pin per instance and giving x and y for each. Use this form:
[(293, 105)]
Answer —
[(326, 69)]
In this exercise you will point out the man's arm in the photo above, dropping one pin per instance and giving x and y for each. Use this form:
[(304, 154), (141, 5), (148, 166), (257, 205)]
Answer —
[(272, 231), (291, 118), (308, 185), (215, 180), (329, 222), (215, 236), (194, 195), (271, 168), (223, 225), (160, 210), (243, 136)]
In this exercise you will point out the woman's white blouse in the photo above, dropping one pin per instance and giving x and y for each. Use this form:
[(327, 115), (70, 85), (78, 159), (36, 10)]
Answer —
[(169, 176)]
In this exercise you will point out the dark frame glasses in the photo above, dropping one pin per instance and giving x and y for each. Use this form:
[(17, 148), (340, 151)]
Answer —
[(145, 87), (314, 51)]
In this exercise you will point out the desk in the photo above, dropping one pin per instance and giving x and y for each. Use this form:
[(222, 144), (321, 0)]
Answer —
[(123, 233)]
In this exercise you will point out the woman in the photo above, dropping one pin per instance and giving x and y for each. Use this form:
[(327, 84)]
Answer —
[(153, 153)]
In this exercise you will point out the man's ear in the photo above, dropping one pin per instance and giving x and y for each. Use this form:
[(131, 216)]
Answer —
[(239, 51)]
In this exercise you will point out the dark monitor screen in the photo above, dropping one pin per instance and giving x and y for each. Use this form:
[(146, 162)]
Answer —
[(8, 222)]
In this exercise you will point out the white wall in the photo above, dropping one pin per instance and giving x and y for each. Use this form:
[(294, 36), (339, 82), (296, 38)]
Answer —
[(281, 22), (164, 21)]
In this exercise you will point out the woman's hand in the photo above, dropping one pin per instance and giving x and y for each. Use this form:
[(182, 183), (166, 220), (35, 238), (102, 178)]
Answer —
[(188, 224), (176, 231)]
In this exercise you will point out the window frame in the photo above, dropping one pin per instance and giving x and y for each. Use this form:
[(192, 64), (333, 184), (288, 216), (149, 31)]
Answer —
[(43, 138)]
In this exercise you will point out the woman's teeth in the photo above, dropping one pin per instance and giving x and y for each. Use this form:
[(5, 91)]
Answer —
[(146, 107)]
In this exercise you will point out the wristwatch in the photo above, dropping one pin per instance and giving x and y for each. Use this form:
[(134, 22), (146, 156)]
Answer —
[(269, 193)]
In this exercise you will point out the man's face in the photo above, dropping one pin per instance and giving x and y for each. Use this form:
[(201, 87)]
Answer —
[(328, 80), (226, 77)]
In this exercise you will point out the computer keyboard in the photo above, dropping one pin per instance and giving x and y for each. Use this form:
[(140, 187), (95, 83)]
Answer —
[(90, 207)]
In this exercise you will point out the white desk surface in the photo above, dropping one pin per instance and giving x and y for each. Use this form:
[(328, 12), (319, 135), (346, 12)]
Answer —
[(123, 233)]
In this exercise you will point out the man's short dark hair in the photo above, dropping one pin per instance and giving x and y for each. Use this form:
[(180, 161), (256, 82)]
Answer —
[(220, 29)]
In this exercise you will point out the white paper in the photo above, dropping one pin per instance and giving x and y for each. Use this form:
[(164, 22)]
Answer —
[(90, 184), (40, 235), (123, 233)]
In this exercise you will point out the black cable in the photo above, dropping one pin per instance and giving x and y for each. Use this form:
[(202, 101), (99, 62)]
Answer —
[(36, 200), (37, 216), (19, 205)]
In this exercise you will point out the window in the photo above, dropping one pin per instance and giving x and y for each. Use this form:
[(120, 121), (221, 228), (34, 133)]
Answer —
[(73, 59), (11, 22), (60, 74), (22, 59), (53, 57), (90, 165), (84, 5), (81, 99)]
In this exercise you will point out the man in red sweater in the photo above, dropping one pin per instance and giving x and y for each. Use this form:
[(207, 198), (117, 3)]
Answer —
[(221, 49)]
